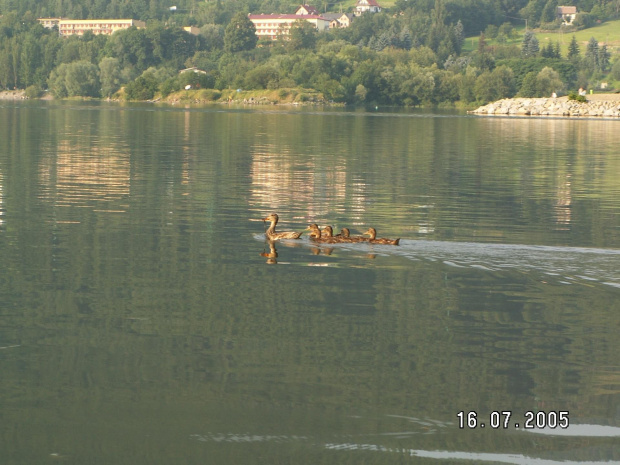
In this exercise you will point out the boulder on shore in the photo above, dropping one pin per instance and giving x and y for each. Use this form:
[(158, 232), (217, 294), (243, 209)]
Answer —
[(561, 106)]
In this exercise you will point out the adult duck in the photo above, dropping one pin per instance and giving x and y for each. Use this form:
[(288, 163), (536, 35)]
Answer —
[(372, 233), (271, 233)]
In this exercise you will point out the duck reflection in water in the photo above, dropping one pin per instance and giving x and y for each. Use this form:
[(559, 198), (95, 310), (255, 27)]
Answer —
[(324, 250), (272, 255)]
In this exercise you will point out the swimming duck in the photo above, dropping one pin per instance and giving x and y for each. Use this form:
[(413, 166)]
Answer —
[(345, 236), (372, 232), (271, 233), (317, 236), (315, 232)]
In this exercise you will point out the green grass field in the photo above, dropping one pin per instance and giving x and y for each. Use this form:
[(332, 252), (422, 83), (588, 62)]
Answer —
[(607, 33), (350, 4)]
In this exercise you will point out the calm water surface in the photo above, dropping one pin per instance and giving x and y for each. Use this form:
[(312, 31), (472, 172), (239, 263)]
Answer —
[(144, 320)]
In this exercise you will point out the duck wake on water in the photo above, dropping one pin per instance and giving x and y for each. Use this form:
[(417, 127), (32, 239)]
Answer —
[(564, 265)]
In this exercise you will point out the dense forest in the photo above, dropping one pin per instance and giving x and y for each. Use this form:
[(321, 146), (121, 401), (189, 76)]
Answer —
[(409, 54)]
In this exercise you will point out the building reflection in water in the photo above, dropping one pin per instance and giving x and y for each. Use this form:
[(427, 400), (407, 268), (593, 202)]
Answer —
[(78, 176), (317, 187), (1, 201), (563, 202)]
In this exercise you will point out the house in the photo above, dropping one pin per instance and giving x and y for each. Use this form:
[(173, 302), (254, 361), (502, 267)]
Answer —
[(49, 22), (71, 27), (192, 30), (363, 6), (270, 26), (193, 69), (567, 14), (338, 19), (305, 10)]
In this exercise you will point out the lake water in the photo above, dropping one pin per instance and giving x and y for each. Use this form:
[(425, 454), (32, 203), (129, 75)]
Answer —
[(144, 320)]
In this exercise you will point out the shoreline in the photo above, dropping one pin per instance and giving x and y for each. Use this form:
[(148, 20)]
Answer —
[(597, 105), (13, 95)]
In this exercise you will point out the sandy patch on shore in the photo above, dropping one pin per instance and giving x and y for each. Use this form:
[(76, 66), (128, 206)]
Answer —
[(12, 95)]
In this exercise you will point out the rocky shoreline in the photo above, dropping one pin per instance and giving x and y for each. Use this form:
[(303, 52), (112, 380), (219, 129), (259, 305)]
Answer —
[(607, 105)]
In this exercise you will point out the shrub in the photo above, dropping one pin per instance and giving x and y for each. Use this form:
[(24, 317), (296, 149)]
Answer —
[(210, 95), (143, 88), (575, 96), (33, 92)]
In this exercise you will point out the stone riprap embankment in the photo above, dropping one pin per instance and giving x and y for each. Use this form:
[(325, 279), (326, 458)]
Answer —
[(561, 106)]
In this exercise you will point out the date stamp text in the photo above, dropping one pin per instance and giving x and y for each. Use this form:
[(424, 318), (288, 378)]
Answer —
[(505, 419)]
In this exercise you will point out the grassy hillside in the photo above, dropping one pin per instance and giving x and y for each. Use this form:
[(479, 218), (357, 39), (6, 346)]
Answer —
[(348, 5), (608, 33)]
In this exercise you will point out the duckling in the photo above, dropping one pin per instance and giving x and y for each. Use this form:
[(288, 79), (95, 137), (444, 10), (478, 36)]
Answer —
[(327, 232), (317, 236), (315, 232), (372, 232), (271, 233), (345, 236)]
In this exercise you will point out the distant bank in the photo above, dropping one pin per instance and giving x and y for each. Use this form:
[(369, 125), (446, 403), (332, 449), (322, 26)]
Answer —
[(605, 105)]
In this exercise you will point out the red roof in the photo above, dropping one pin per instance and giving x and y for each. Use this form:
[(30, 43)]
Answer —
[(310, 9), (370, 3)]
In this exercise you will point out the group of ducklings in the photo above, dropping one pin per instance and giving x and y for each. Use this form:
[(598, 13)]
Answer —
[(326, 236)]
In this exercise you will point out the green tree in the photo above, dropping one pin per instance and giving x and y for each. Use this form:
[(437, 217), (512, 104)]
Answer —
[(533, 11), (547, 82), (110, 75), (495, 85), (592, 54), (506, 29), (528, 86), (573, 49), (142, 88), (360, 93), (491, 31), (213, 35), (240, 34), (302, 35), (530, 46), (615, 70), (6, 63), (57, 81), (30, 60), (82, 79), (262, 77), (603, 58), (548, 13)]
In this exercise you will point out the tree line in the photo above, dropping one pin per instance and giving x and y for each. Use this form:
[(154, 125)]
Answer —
[(412, 55)]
